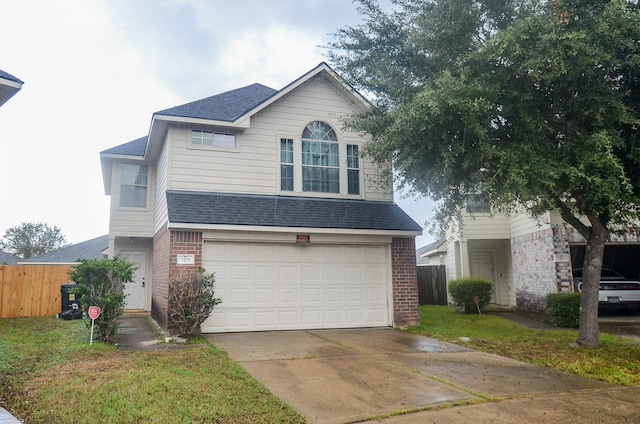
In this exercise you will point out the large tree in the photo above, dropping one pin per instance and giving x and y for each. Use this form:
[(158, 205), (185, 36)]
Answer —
[(533, 105), (32, 239)]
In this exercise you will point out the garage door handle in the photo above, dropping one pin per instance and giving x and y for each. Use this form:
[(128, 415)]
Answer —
[(142, 281)]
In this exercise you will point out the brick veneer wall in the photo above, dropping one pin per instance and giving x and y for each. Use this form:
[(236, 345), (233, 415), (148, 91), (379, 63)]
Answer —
[(167, 245), (160, 277), (404, 282), (534, 270)]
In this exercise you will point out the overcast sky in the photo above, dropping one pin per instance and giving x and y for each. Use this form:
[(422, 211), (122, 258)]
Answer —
[(95, 71)]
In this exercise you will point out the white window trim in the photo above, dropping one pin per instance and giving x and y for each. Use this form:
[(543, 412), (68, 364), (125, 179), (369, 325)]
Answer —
[(297, 170), (192, 146), (119, 188)]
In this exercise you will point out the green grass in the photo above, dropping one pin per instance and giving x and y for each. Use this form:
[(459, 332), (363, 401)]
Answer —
[(50, 374), (617, 361)]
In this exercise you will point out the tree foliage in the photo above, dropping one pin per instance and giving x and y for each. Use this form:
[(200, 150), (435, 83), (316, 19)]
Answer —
[(191, 300), (101, 283), (32, 239), (533, 105)]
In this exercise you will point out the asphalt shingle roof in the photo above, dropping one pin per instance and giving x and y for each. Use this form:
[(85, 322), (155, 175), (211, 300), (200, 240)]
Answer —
[(282, 211), (8, 258), (8, 76), (90, 249), (133, 148), (227, 106)]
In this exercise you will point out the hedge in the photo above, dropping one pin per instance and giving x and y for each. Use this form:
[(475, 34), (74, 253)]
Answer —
[(465, 291)]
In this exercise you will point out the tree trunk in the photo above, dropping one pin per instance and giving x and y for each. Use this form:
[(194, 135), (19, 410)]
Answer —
[(589, 332)]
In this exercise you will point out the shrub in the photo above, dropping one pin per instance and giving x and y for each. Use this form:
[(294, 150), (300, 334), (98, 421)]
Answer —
[(564, 309), (464, 292), (190, 300), (101, 283)]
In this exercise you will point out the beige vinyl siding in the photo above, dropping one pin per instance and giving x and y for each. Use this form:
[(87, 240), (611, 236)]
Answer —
[(162, 180), (253, 167), (131, 222), (523, 224), (486, 227), (250, 168)]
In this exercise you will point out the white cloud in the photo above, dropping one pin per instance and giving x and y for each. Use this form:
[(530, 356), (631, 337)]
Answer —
[(95, 71), (273, 57)]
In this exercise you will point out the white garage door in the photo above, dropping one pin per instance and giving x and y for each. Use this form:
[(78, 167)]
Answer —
[(283, 287)]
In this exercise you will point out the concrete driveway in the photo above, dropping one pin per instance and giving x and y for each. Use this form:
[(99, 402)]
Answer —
[(342, 376)]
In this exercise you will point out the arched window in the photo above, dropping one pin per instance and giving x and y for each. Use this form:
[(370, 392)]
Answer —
[(320, 159)]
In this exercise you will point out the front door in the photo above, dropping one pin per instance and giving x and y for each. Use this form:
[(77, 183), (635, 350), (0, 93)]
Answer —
[(482, 266), (136, 290)]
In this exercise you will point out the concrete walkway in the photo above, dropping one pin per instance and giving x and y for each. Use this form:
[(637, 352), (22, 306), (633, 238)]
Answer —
[(7, 418), (388, 376)]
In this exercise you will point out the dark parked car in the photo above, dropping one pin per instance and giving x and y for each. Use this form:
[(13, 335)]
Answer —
[(616, 291)]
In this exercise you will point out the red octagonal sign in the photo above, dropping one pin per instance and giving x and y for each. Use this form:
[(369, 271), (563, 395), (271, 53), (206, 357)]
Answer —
[(94, 312)]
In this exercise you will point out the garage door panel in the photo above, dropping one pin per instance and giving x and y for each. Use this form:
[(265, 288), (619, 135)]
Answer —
[(355, 295), (280, 287), (376, 295), (311, 296), (288, 272), (288, 295), (311, 274), (266, 319), (312, 318), (265, 272), (332, 273), (241, 296), (333, 295), (355, 274), (355, 317), (265, 296)]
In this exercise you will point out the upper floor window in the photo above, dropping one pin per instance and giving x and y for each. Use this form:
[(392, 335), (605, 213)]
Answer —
[(353, 169), (214, 139), (477, 204), (286, 164), (133, 189), (320, 159)]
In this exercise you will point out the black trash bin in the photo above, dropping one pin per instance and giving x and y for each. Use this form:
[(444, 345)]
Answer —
[(71, 307)]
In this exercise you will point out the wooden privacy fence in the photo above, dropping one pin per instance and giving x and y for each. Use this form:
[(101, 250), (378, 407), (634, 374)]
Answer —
[(432, 285), (31, 290)]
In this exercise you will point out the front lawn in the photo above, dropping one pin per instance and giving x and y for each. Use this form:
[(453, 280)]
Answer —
[(617, 361), (50, 374)]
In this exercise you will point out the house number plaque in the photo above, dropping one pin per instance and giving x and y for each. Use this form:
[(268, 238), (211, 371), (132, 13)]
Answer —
[(186, 260)]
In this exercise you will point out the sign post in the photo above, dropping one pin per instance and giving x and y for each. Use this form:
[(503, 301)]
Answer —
[(94, 312)]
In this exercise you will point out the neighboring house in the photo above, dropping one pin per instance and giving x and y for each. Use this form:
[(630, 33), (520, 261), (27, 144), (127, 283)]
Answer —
[(69, 255), (9, 85), (432, 254), (8, 258), (528, 259), (266, 189)]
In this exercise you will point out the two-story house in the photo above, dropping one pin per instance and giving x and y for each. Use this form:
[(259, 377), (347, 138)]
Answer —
[(266, 189), (527, 258)]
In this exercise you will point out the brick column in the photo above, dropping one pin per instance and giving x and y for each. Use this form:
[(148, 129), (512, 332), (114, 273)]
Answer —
[(404, 282)]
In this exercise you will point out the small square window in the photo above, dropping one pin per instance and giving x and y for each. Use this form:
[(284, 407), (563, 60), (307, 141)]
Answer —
[(214, 139)]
